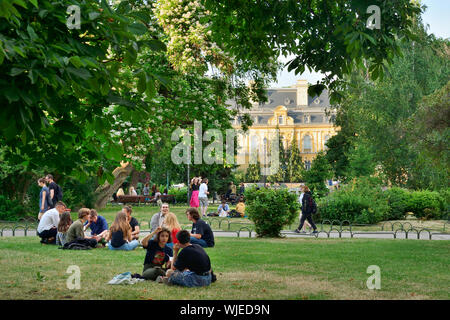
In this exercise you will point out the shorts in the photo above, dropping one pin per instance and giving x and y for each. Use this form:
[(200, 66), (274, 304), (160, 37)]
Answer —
[(203, 201)]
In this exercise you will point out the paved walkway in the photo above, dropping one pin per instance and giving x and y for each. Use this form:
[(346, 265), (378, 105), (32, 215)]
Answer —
[(289, 234)]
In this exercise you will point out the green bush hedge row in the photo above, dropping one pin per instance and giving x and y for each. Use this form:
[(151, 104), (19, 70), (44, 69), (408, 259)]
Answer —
[(368, 204)]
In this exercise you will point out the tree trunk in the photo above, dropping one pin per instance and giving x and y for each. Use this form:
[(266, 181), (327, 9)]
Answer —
[(105, 192), (135, 175)]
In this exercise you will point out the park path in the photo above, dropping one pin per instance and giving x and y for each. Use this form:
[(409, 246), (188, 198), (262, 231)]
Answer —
[(290, 234)]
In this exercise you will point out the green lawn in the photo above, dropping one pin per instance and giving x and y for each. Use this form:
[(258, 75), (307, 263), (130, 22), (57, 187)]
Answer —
[(246, 269)]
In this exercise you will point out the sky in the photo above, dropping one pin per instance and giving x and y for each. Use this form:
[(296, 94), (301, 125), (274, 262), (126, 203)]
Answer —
[(437, 16)]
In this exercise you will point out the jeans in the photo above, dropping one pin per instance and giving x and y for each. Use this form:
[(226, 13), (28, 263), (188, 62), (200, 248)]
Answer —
[(189, 279), (126, 246), (200, 242)]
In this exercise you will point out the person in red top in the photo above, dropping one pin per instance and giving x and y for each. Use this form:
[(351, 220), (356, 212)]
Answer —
[(171, 223)]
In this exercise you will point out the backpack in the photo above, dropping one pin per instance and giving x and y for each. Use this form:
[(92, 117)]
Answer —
[(312, 204), (59, 193), (77, 244)]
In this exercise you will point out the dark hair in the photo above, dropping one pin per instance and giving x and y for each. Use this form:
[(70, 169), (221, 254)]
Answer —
[(42, 180), (128, 209), (183, 236), (93, 213), (164, 230), (205, 180), (64, 222), (306, 189), (193, 212), (50, 176)]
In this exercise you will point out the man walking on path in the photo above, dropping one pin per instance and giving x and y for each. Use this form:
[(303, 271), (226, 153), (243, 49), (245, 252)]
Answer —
[(308, 208)]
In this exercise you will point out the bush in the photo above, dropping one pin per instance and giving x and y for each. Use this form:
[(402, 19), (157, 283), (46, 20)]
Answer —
[(431, 200), (398, 200), (180, 194), (271, 209), (11, 210), (362, 201)]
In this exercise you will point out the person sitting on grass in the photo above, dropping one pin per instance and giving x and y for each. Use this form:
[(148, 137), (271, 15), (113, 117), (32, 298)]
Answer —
[(98, 225), (76, 230), (119, 235), (223, 209), (158, 254), (64, 224), (158, 218), (47, 228), (171, 223), (201, 232), (191, 267), (240, 207), (134, 224)]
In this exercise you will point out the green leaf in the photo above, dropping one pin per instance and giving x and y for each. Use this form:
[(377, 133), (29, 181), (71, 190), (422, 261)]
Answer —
[(16, 71), (142, 83), (31, 33), (81, 73), (76, 61), (34, 3), (137, 29), (151, 90)]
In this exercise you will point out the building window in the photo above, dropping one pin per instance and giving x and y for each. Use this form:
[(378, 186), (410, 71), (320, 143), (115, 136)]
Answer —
[(306, 119), (325, 140), (307, 144), (280, 120), (307, 165)]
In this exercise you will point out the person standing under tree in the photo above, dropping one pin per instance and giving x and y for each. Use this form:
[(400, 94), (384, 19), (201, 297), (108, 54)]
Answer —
[(44, 198), (203, 196), (55, 191), (308, 208)]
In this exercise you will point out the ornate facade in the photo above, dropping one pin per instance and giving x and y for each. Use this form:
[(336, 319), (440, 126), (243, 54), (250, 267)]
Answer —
[(296, 114)]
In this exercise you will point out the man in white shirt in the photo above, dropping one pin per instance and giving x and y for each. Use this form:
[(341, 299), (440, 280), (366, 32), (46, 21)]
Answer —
[(203, 196), (47, 228)]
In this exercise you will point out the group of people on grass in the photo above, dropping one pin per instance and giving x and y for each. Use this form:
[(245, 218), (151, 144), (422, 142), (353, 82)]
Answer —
[(163, 259)]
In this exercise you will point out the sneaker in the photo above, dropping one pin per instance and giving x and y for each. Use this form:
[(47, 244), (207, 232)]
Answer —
[(299, 231), (314, 232)]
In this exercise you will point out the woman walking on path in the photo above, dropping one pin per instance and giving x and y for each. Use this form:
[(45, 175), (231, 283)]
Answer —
[(195, 185), (307, 211)]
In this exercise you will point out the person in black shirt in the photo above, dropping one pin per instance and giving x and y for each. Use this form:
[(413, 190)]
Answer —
[(158, 253), (191, 267), (54, 191), (134, 224), (201, 232)]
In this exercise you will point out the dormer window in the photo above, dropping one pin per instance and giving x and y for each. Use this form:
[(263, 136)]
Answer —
[(306, 119), (317, 101), (280, 120), (287, 101)]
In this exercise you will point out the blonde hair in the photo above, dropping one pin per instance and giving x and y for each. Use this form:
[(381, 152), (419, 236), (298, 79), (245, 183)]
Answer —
[(83, 212), (171, 221), (121, 223)]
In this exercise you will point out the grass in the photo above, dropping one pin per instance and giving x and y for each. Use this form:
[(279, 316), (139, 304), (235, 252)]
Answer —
[(246, 269)]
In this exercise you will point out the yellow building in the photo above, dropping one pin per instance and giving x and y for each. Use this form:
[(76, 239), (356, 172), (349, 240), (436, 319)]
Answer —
[(296, 115)]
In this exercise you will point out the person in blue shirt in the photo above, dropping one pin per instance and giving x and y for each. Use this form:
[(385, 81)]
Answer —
[(223, 210), (97, 224)]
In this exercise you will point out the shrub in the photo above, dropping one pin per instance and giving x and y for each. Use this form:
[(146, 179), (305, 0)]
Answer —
[(180, 194), (398, 200), (361, 201), (421, 200), (271, 209), (11, 210)]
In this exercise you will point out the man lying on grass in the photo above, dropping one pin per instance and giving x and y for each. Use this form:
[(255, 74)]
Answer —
[(190, 268)]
